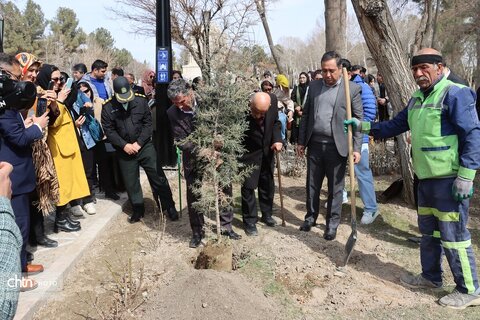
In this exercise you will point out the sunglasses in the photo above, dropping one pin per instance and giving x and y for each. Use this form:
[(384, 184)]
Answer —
[(61, 79)]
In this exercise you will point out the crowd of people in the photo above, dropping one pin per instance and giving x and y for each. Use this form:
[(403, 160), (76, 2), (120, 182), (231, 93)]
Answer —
[(93, 131)]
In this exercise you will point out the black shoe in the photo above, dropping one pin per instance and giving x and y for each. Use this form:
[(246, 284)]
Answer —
[(72, 221), (29, 256), (269, 221), (306, 226), (64, 225), (330, 234), (45, 241), (172, 213), (231, 234), (250, 229), (112, 195), (135, 217), (196, 240)]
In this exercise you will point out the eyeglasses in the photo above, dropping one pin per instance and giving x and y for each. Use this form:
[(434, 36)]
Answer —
[(61, 79)]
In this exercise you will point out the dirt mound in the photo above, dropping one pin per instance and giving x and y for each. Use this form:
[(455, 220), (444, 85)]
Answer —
[(208, 294)]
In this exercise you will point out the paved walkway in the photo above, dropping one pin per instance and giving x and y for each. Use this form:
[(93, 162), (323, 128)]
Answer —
[(59, 261)]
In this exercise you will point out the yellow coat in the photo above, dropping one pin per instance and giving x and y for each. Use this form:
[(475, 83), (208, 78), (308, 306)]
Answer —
[(63, 144)]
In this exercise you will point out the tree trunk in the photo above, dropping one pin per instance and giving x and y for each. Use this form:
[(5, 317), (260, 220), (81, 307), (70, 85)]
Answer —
[(260, 4), (383, 42), (336, 25), (435, 24), (423, 35)]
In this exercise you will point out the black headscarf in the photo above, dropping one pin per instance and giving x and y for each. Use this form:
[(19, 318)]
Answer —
[(45, 75)]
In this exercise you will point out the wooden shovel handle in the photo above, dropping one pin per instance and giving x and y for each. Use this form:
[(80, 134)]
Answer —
[(351, 167)]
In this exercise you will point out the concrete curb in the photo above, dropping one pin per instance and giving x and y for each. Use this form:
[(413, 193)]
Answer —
[(58, 262)]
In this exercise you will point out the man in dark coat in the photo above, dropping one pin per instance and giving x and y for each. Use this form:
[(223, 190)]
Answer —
[(181, 115), (262, 139)]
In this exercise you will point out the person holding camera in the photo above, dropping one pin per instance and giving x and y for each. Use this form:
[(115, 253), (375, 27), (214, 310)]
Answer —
[(16, 137)]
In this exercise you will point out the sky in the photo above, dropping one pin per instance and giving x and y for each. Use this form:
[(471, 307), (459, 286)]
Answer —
[(286, 18)]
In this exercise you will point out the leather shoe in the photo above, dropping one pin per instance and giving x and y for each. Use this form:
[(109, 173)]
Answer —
[(250, 230), (306, 226), (330, 234), (66, 226), (269, 221), (112, 195), (135, 217), (231, 234), (28, 284), (34, 269), (196, 240), (46, 242), (172, 213)]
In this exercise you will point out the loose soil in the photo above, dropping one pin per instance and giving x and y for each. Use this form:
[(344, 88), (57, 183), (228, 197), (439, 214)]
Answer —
[(281, 274)]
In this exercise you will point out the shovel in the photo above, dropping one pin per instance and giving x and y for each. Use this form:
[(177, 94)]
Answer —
[(279, 173), (352, 239), (179, 165)]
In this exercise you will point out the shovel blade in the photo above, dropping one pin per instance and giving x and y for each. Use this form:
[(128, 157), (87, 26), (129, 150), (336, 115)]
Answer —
[(352, 239)]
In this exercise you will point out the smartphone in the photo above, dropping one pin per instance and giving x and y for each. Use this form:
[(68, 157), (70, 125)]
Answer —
[(51, 85), (83, 111), (68, 84), (41, 106)]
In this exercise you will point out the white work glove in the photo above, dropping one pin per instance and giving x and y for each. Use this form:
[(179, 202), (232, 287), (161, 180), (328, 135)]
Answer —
[(462, 189)]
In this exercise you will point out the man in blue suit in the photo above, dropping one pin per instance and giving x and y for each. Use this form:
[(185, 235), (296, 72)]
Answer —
[(16, 137)]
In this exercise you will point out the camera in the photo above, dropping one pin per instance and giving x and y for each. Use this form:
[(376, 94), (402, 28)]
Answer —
[(16, 95)]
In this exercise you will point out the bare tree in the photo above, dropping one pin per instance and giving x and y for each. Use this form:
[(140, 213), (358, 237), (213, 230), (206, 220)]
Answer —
[(208, 29), (336, 25), (261, 9), (383, 42), (424, 34)]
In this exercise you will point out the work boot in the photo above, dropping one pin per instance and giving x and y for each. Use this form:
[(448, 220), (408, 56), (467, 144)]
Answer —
[(418, 281), (458, 300)]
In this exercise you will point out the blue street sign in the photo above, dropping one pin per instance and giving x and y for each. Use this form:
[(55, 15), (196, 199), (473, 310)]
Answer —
[(163, 64), (162, 77), (162, 55)]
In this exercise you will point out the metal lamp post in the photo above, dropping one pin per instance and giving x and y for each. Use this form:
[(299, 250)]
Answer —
[(165, 149)]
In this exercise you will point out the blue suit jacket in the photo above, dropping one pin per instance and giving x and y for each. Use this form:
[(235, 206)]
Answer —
[(15, 148)]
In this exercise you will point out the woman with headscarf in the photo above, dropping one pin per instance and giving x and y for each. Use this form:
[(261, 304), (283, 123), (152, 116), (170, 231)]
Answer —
[(46, 177), (148, 83), (299, 96), (62, 142)]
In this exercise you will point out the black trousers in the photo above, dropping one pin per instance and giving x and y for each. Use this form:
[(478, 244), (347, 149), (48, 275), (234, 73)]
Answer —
[(129, 167), (106, 162), (197, 218), (266, 191), (88, 159), (323, 160)]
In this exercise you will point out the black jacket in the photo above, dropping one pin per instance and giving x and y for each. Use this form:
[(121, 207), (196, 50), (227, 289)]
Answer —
[(127, 126), (258, 143)]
